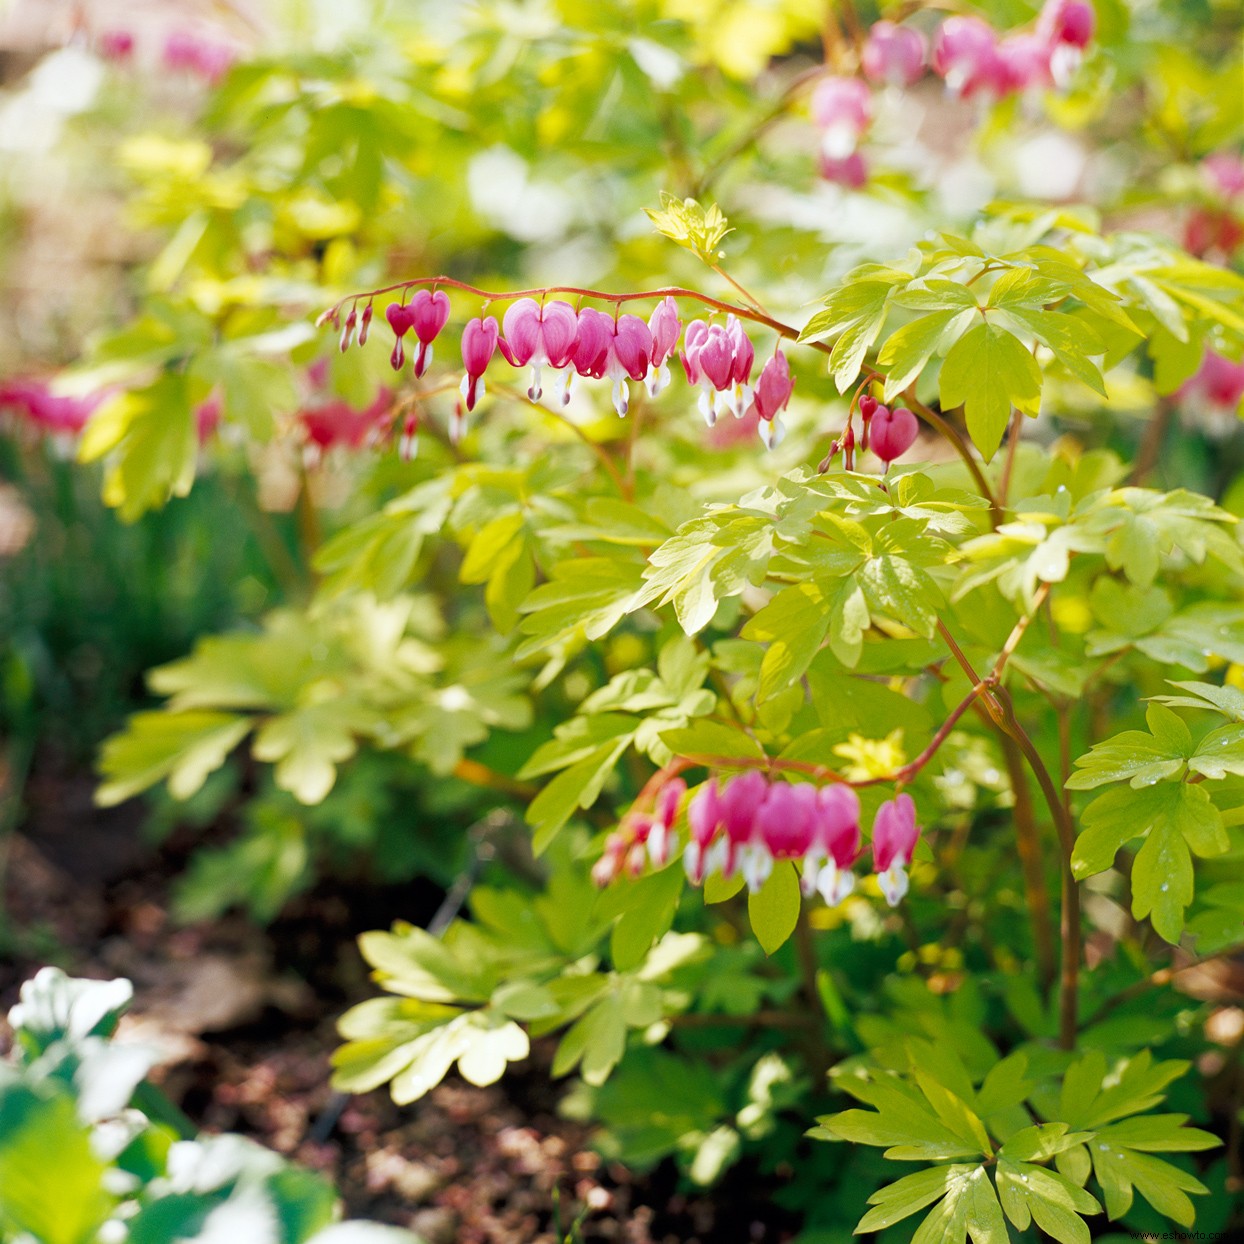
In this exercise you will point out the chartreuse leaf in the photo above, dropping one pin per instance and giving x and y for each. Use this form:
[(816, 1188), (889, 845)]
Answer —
[(1120, 1150), (180, 747), (579, 786), (1031, 1192), (1133, 756), (1229, 701), (794, 625), (987, 372), (910, 1194), (774, 908), (1175, 820), (584, 598), (905, 1121), (51, 1183), (150, 438), (855, 314)]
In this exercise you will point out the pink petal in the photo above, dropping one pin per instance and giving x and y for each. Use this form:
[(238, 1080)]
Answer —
[(522, 331), (560, 332)]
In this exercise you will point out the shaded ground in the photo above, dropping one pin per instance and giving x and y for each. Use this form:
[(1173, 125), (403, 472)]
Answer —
[(244, 1018)]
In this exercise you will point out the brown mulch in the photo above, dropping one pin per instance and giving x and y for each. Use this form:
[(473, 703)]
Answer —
[(244, 1019)]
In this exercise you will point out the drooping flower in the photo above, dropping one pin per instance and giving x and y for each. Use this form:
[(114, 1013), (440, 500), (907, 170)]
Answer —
[(61, 415), (894, 55), (197, 54), (719, 360), (739, 804), (782, 831), (401, 318), (703, 821), (835, 845), (335, 424), (770, 397), (479, 342), (665, 327), (630, 352), (365, 323), (540, 335), (1067, 28), (965, 54), (593, 335), (892, 432), (660, 837), (842, 108), (408, 445), (1067, 21), (116, 45), (429, 313), (1218, 382), (851, 171), (1225, 172), (895, 834), (1024, 63)]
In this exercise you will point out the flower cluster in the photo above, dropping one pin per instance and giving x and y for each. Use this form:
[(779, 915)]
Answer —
[(972, 60), (1218, 382), (1216, 229), (750, 823), (56, 414), (967, 54), (589, 343)]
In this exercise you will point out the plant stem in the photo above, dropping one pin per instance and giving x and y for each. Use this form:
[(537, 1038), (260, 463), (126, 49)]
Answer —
[(1069, 931), (1029, 842), (599, 450), (1012, 449)]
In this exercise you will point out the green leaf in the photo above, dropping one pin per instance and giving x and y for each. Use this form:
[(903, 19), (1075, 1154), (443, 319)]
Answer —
[(309, 743), (774, 909), (906, 352), (855, 314), (794, 624), (51, 1183), (1031, 1192), (1174, 818), (987, 372), (150, 439), (180, 747), (1133, 756), (905, 1197), (576, 787), (1042, 1141), (651, 904)]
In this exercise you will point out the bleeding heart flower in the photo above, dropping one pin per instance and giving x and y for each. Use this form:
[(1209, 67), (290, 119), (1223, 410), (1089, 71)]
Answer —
[(479, 341), (1218, 382), (665, 327), (719, 360), (892, 432), (852, 171), (1025, 63), (539, 335), (429, 313), (771, 395), (1067, 21), (842, 107), (895, 834), (630, 352), (894, 55), (703, 821), (835, 845), (965, 54), (400, 318)]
